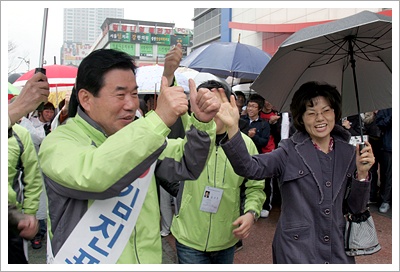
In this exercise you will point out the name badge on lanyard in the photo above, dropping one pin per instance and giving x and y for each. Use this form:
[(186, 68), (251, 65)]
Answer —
[(211, 199)]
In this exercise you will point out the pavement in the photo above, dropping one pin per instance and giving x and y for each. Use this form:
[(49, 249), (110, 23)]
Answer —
[(257, 248), (38, 256)]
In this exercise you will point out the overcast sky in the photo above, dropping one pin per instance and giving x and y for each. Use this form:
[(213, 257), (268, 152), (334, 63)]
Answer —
[(25, 23), (22, 22)]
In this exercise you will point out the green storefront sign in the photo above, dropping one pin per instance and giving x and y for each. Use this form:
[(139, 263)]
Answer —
[(129, 48), (140, 38), (126, 41), (162, 50), (149, 38), (146, 50), (119, 36), (183, 39), (160, 39)]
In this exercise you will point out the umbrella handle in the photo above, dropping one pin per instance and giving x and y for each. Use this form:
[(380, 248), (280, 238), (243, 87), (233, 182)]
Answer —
[(40, 70), (43, 71), (361, 146)]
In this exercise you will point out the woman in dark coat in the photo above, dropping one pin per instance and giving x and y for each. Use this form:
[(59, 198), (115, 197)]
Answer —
[(313, 167)]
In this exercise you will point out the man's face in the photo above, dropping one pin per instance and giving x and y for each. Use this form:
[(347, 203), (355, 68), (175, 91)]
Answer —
[(267, 105), (240, 101), (252, 109), (150, 103), (117, 102)]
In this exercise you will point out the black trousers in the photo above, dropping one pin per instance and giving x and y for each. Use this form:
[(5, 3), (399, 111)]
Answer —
[(386, 176), (272, 192), (16, 253)]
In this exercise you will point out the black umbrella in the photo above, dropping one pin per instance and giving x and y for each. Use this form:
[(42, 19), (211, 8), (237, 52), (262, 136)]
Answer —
[(353, 53)]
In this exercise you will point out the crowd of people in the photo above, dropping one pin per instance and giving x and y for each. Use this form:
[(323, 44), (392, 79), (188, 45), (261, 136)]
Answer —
[(106, 174)]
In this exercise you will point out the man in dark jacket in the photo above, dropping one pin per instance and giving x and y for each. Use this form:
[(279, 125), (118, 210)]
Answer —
[(259, 129), (384, 122)]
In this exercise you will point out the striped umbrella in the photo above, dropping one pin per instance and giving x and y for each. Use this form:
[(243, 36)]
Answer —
[(61, 79), (12, 91)]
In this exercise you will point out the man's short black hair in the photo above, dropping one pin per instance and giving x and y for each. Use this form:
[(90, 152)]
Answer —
[(92, 69), (210, 84), (257, 99)]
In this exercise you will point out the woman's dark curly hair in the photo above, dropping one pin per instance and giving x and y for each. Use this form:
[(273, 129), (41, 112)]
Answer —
[(304, 96)]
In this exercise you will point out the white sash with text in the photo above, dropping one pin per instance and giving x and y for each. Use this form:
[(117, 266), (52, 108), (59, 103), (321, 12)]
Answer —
[(102, 233)]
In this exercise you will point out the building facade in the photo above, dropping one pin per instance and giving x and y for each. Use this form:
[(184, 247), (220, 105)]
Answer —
[(264, 28), (80, 30), (147, 41), (83, 24)]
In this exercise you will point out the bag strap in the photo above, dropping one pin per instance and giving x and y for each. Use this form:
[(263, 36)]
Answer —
[(18, 183), (21, 150)]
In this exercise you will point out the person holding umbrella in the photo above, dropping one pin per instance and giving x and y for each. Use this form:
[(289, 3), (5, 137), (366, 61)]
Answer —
[(313, 167), (35, 92), (22, 157)]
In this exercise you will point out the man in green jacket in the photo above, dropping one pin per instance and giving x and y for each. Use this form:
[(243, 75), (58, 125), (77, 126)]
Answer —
[(23, 225), (99, 165), (24, 188), (208, 223)]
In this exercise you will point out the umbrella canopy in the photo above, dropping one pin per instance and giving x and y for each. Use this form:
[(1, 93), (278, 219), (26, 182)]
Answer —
[(61, 79), (198, 77), (13, 90), (353, 53), (148, 79), (57, 75), (226, 59)]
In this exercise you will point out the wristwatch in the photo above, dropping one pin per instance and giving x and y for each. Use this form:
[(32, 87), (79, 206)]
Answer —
[(255, 216)]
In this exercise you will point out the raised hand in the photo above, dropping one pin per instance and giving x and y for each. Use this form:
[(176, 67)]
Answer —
[(171, 103), (203, 103), (365, 160), (35, 91), (228, 113), (171, 62)]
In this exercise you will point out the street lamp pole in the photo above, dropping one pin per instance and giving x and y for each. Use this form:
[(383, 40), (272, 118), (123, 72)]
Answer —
[(27, 62)]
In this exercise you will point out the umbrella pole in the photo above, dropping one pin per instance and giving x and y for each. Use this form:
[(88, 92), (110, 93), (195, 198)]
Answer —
[(40, 69), (155, 93), (353, 66), (57, 97)]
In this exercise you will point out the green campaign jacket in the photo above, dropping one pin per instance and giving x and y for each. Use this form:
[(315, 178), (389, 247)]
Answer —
[(81, 164), (20, 146), (206, 231)]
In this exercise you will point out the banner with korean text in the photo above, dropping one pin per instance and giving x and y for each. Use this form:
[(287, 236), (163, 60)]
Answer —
[(102, 233)]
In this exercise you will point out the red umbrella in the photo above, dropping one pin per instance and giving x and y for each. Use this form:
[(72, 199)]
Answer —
[(61, 79), (57, 75)]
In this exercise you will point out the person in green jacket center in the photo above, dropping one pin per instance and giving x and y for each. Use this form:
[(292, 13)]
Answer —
[(208, 223), (100, 156)]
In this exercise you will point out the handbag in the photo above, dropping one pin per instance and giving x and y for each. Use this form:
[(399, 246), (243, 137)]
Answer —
[(360, 237)]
